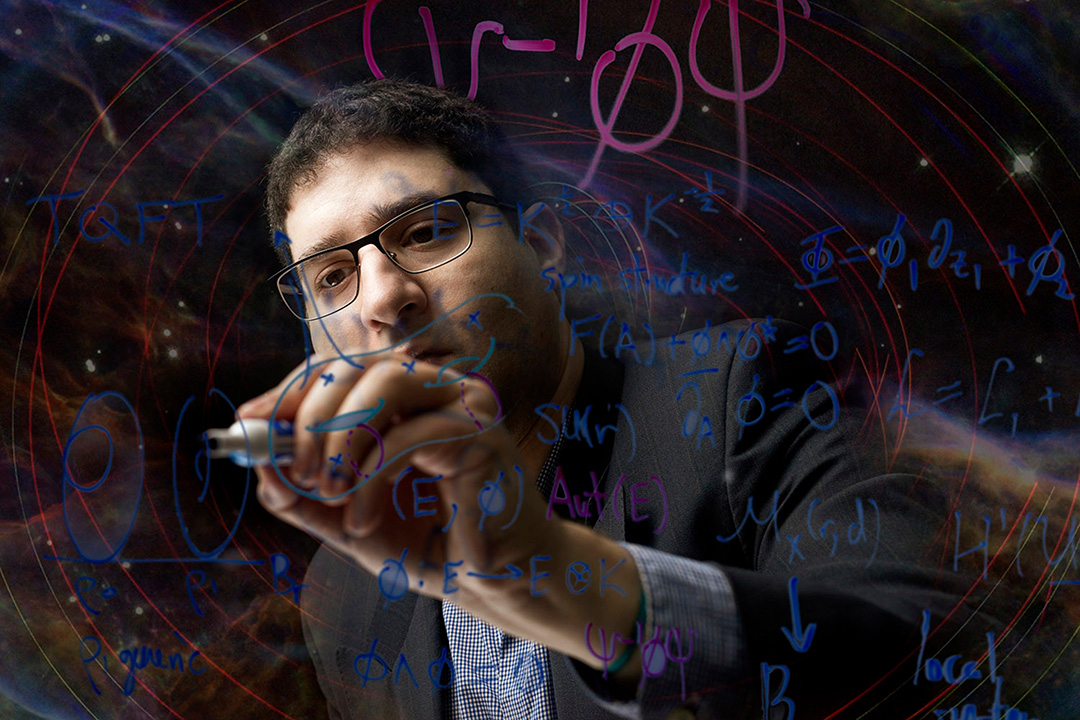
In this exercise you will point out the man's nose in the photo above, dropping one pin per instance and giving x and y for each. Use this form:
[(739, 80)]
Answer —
[(387, 293)]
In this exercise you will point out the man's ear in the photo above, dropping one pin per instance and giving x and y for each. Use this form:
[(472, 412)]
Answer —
[(542, 229)]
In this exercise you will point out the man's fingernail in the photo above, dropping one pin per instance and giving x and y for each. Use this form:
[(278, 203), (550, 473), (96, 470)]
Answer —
[(337, 486), (302, 467), (267, 498), (362, 518), (253, 405), (306, 482)]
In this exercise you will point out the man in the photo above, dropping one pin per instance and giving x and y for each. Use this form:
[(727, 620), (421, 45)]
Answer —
[(665, 577)]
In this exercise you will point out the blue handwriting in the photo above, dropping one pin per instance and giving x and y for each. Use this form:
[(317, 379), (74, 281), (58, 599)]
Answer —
[(816, 530), (950, 392), (105, 217), (576, 427), (955, 671), (747, 346), (1069, 550), (137, 658), (1046, 265), (528, 674), (393, 579)]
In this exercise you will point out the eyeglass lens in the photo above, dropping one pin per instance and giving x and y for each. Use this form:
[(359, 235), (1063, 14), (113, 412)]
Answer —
[(418, 240)]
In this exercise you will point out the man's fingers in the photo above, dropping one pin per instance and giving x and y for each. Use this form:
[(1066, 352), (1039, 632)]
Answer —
[(387, 488), (273, 494), (318, 415), (352, 463), (309, 396), (319, 520), (401, 391), (287, 395)]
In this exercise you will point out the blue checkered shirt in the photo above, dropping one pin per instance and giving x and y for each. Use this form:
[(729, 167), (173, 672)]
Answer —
[(496, 676)]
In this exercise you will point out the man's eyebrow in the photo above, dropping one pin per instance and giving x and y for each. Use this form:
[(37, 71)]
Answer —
[(327, 243), (382, 213), (377, 216)]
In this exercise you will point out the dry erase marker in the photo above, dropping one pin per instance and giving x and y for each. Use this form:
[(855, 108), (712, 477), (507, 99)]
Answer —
[(247, 442)]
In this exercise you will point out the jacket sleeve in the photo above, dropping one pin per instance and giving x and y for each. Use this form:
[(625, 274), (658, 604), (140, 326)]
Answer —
[(791, 508)]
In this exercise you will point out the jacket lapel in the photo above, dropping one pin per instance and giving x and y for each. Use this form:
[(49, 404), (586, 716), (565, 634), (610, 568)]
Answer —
[(424, 644), (583, 450)]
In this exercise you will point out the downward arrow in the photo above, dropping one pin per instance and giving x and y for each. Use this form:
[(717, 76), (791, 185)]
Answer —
[(799, 641)]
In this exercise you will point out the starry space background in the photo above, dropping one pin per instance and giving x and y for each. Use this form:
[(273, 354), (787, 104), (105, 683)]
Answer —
[(134, 335)]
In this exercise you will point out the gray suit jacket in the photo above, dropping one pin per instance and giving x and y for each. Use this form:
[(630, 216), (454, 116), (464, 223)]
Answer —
[(866, 597)]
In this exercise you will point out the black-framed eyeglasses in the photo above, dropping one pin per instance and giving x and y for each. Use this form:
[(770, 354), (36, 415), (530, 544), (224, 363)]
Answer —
[(421, 239)]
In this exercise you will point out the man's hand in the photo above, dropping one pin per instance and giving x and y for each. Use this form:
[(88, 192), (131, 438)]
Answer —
[(401, 461)]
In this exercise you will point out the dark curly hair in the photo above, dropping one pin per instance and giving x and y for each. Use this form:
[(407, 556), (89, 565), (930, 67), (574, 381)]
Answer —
[(396, 109)]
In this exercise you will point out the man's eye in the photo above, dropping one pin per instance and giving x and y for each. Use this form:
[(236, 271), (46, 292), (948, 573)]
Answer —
[(418, 235), (334, 277)]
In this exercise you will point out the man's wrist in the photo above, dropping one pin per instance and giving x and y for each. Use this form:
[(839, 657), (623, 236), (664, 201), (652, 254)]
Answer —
[(588, 603)]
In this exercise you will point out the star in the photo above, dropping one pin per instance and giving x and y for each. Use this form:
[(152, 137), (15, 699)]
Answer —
[(1023, 164)]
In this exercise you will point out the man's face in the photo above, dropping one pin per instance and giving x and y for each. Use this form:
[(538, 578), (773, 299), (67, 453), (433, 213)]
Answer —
[(355, 193)]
